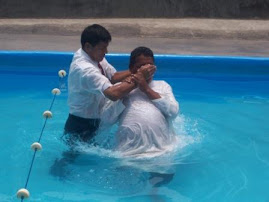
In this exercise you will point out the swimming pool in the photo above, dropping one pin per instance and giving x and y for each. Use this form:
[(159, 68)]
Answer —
[(223, 124)]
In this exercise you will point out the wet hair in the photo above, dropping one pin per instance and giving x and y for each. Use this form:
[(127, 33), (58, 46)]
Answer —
[(95, 34), (140, 51)]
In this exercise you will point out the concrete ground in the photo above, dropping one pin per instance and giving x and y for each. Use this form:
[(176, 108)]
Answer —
[(163, 36)]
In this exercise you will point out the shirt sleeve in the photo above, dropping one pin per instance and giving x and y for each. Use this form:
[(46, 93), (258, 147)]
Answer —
[(167, 103), (111, 111), (91, 80)]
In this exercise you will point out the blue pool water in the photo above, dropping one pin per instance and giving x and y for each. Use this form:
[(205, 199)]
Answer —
[(223, 125)]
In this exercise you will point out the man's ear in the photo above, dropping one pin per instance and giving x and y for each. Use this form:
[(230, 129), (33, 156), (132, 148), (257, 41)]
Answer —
[(87, 47)]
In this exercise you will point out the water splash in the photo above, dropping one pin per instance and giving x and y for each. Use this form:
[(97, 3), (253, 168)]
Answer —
[(187, 134)]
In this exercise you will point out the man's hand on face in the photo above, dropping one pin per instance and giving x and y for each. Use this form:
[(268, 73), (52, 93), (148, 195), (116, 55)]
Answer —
[(140, 81), (147, 71)]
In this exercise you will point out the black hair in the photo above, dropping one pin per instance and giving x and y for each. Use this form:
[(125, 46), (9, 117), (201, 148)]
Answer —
[(140, 51), (94, 34)]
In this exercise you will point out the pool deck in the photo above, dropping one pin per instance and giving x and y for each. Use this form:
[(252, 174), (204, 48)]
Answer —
[(163, 36)]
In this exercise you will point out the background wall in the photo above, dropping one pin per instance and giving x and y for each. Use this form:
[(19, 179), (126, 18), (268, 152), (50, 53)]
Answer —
[(240, 9)]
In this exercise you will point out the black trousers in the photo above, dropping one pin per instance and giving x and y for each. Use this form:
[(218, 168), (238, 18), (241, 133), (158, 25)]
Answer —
[(77, 128)]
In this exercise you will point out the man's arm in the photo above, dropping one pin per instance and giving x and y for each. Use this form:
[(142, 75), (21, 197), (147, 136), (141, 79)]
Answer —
[(167, 103), (147, 71), (118, 91), (165, 100), (120, 76), (144, 87)]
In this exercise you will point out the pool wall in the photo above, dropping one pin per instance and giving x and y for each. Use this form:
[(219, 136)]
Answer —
[(36, 62)]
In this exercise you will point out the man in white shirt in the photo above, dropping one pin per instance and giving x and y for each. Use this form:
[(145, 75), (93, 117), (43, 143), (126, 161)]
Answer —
[(91, 81), (145, 125), (145, 128)]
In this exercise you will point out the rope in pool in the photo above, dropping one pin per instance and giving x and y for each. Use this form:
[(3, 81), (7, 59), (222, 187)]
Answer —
[(23, 193)]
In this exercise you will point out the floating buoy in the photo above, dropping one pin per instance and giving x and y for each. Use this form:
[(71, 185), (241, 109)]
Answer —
[(23, 193), (62, 73), (36, 146), (47, 114), (56, 91)]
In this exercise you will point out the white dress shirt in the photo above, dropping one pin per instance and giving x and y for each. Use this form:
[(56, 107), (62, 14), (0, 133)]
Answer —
[(86, 85), (145, 126)]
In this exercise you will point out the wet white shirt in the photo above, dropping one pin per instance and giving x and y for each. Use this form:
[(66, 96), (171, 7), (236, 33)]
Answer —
[(86, 85), (145, 126)]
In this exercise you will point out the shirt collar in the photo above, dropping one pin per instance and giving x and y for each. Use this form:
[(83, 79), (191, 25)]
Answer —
[(83, 54)]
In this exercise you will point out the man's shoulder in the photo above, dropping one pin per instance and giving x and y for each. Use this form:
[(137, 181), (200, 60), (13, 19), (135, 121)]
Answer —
[(81, 62), (159, 83)]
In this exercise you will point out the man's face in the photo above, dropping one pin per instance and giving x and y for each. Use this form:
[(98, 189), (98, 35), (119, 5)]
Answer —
[(140, 61), (98, 52)]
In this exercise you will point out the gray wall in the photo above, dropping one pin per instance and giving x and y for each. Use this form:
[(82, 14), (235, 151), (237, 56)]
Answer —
[(245, 9)]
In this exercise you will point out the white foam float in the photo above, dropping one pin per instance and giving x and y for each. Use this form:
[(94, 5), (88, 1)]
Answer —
[(36, 146), (62, 73), (23, 193), (47, 114), (56, 91)]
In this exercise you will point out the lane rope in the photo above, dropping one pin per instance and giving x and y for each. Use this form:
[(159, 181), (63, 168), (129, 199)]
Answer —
[(23, 193)]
